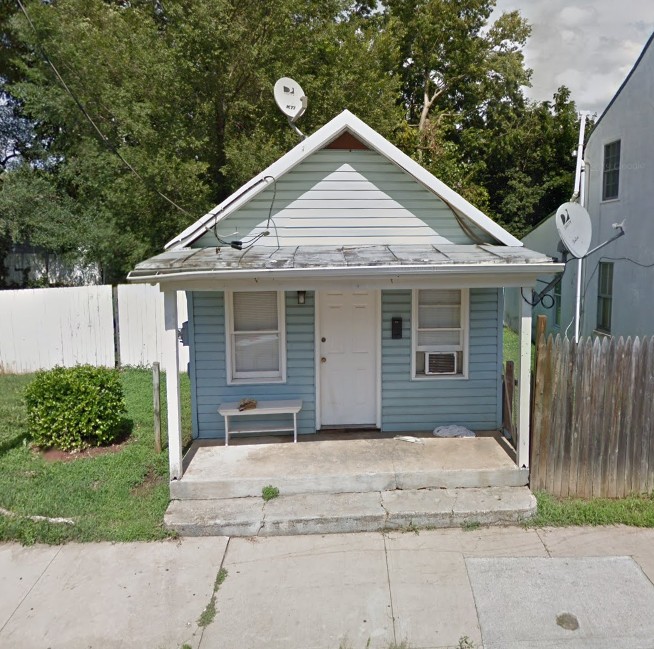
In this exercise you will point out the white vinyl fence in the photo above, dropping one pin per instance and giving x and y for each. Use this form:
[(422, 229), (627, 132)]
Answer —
[(41, 328)]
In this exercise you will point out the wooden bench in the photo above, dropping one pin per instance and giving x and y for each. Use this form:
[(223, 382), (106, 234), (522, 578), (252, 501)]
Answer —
[(230, 410)]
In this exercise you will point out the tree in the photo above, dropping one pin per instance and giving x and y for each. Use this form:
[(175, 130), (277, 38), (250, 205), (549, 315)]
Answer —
[(453, 61), (468, 120), (167, 108), (531, 168), (183, 94)]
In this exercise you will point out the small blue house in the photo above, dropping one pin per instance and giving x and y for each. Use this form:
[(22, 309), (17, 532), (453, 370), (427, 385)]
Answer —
[(348, 278)]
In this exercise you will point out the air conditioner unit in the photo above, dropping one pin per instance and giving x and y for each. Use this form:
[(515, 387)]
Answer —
[(440, 363)]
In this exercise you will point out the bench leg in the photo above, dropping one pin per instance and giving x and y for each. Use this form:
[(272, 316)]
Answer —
[(295, 428), (226, 430)]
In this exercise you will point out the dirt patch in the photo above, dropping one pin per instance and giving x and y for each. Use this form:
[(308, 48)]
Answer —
[(56, 455), (149, 482), (567, 621)]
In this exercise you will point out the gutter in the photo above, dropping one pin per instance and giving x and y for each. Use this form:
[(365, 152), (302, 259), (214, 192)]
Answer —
[(374, 272)]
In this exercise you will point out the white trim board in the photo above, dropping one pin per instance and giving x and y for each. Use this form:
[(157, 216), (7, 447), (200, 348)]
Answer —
[(346, 121)]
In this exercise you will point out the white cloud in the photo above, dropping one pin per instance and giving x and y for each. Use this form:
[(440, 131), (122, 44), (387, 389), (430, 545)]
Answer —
[(577, 16), (588, 47)]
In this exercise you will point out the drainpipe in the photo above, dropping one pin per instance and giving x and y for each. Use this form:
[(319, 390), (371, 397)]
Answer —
[(580, 193)]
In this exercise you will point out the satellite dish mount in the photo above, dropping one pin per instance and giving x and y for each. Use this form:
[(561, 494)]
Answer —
[(291, 101)]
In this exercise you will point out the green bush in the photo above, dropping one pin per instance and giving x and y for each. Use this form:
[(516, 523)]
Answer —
[(76, 407)]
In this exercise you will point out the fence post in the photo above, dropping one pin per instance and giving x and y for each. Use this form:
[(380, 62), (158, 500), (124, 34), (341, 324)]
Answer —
[(115, 304), (156, 397), (509, 405), (541, 326)]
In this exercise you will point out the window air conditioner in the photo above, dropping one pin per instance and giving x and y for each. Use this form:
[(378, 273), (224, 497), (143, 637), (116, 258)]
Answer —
[(440, 363)]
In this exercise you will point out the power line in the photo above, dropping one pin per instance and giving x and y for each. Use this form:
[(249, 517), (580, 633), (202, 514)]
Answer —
[(83, 110)]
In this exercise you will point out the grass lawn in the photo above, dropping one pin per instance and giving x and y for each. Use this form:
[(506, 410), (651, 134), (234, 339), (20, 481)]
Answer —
[(118, 496), (637, 511), (634, 510), (122, 496), (512, 348)]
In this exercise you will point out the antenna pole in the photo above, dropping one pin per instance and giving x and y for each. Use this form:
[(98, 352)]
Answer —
[(580, 187), (291, 123)]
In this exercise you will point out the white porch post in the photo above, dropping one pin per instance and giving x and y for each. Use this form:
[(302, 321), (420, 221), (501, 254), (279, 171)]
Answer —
[(524, 382), (171, 365)]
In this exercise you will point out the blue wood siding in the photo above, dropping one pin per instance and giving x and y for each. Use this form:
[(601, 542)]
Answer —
[(424, 404), (208, 372), (338, 197), (406, 405)]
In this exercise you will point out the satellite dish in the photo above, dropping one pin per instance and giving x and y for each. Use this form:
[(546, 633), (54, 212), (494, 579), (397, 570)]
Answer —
[(575, 228), (290, 98)]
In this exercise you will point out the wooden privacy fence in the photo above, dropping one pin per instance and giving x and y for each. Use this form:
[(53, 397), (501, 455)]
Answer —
[(593, 417), (98, 325)]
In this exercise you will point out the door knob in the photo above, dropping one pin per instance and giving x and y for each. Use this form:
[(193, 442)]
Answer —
[(324, 339), (323, 360)]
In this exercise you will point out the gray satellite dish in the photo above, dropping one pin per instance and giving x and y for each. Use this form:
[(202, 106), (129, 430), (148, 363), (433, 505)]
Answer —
[(290, 98), (575, 228)]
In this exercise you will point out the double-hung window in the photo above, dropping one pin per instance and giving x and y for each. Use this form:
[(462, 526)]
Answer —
[(440, 333), (256, 335), (605, 296), (611, 171)]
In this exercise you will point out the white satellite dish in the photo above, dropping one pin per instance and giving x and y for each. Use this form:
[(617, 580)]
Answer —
[(575, 228), (290, 98)]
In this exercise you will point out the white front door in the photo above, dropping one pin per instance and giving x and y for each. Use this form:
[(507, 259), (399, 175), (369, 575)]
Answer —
[(348, 335)]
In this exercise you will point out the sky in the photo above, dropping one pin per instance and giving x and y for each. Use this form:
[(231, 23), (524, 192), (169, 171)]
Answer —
[(588, 46)]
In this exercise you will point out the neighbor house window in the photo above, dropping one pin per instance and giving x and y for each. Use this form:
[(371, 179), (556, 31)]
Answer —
[(255, 336), (557, 303), (605, 296), (440, 333), (611, 177)]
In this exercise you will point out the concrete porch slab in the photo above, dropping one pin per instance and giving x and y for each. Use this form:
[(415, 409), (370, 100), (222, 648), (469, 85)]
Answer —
[(347, 466), (350, 512)]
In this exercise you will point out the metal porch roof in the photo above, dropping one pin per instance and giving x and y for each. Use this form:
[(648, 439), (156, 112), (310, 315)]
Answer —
[(344, 261)]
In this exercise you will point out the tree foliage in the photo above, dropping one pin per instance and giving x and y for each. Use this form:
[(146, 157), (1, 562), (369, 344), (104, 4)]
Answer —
[(178, 107)]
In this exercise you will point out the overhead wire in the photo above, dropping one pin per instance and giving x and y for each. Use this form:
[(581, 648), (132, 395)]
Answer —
[(239, 245), (248, 244), (540, 300), (590, 277), (96, 128)]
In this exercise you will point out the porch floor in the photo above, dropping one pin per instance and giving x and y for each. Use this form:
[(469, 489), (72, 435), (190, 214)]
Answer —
[(336, 483), (347, 465)]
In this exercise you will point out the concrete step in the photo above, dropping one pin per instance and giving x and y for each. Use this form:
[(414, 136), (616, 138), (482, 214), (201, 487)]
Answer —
[(349, 466), (350, 512)]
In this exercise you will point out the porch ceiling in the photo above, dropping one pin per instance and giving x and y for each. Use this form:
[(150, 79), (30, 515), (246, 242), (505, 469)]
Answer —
[(346, 261)]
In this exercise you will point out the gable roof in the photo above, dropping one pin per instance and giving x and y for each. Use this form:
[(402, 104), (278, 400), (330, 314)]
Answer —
[(345, 122), (624, 83)]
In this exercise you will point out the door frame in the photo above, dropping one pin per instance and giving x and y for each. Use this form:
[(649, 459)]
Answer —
[(377, 293)]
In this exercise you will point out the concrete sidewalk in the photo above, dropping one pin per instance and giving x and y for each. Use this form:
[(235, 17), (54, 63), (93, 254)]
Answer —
[(507, 588)]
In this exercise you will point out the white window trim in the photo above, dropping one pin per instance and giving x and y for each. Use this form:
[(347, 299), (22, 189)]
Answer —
[(465, 325), (604, 296), (260, 377)]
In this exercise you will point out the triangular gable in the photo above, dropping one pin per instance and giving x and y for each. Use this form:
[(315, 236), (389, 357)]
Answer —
[(344, 129), (649, 43)]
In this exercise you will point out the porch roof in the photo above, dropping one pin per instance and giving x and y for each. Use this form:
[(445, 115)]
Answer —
[(346, 261)]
